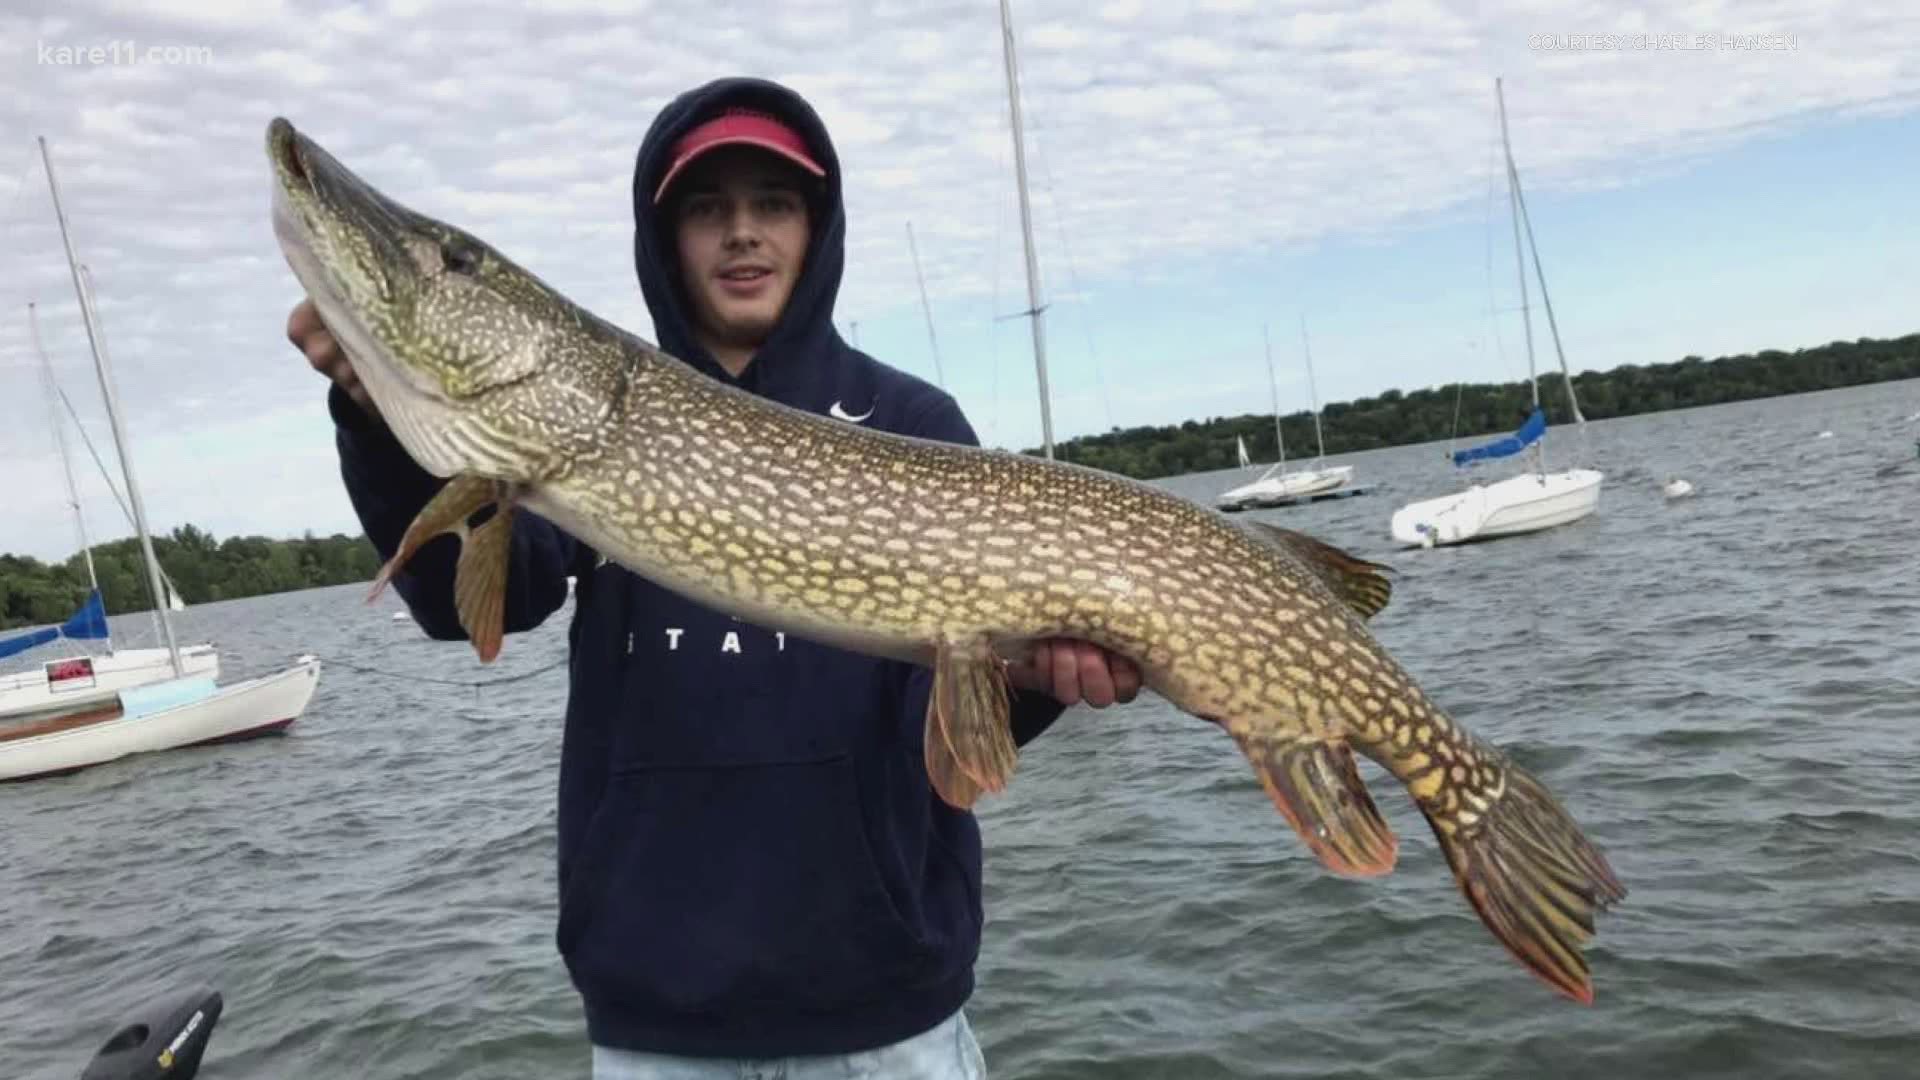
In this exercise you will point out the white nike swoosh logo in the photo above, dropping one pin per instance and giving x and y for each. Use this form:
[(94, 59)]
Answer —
[(839, 413)]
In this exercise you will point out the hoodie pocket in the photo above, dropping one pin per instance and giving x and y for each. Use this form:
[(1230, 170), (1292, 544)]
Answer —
[(702, 889)]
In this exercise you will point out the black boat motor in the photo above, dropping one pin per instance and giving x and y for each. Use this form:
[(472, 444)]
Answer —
[(164, 1041)]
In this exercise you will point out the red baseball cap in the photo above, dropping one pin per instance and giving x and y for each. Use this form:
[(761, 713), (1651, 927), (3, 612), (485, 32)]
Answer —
[(733, 127)]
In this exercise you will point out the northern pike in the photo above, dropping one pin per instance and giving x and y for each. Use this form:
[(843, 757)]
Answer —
[(954, 557)]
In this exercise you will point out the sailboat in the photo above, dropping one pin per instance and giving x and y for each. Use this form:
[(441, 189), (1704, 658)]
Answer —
[(933, 343), (1537, 498), (1034, 308), (188, 709), (78, 679), (1277, 486)]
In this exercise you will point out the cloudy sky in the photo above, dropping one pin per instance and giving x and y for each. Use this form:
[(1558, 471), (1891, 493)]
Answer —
[(1197, 170)]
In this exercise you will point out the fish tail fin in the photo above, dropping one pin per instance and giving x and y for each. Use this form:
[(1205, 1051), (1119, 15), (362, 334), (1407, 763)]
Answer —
[(1317, 787), (1532, 875)]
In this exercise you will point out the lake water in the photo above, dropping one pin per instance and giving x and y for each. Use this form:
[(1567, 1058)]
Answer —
[(1725, 690)]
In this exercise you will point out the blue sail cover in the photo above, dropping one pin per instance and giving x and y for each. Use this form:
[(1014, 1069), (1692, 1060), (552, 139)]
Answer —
[(89, 622), (1506, 445)]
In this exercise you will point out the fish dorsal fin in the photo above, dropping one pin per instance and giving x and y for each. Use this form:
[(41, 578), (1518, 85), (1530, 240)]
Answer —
[(1363, 585)]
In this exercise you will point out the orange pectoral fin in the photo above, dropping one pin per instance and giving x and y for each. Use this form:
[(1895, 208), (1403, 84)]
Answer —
[(480, 583), (447, 512)]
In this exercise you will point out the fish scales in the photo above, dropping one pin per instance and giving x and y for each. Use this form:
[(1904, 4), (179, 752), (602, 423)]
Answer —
[(971, 546), (951, 556)]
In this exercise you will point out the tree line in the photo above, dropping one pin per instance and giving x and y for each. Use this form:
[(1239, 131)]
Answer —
[(35, 593), (1473, 410)]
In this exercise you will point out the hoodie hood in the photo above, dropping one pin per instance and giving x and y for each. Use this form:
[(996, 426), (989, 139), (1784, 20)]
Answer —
[(805, 337)]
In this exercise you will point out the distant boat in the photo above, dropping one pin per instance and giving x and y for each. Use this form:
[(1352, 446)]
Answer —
[(186, 710), (1533, 500), (1277, 486)]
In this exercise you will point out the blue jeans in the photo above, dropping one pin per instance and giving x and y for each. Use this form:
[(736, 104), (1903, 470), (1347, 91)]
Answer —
[(947, 1052)]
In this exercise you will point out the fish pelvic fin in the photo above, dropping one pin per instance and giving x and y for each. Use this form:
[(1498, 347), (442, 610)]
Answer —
[(1361, 585), (480, 583), (447, 512), (1317, 787), (969, 737), (1533, 877)]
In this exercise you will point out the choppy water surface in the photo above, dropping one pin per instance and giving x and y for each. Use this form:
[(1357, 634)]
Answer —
[(1725, 690)]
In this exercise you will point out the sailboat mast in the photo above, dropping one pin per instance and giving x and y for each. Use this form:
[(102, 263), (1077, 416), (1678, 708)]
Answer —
[(1313, 392), (166, 585), (108, 390), (60, 443), (1026, 227), (926, 310), (1540, 274), (1273, 385), (1520, 263)]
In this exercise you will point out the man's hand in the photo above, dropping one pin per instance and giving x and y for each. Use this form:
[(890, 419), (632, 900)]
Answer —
[(312, 338), (1074, 671)]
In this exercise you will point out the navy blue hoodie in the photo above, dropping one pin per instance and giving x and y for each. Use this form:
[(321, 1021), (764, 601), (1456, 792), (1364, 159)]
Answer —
[(751, 861)]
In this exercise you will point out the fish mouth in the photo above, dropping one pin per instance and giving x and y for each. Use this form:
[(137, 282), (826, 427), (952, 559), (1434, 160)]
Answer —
[(315, 201), (283, 149), (309, 186)]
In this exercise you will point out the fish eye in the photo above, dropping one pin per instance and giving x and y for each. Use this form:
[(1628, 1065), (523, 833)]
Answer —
[(460, 256)]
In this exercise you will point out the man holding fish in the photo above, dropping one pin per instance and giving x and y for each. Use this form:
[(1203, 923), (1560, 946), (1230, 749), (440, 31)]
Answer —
[(754, 866)]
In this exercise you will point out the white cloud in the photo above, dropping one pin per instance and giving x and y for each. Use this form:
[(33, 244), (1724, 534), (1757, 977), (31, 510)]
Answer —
[(1049, 37), (1198, 52), (537, 168), (1159, 134), (292, 66)]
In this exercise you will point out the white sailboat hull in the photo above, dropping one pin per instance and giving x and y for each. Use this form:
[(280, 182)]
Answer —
[(243, 710), (1526, 503), (77, 682), (161, 714), (1291, 485)]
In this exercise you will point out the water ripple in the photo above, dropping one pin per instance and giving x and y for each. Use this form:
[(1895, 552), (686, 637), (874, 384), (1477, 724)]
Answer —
[(1724, 691)]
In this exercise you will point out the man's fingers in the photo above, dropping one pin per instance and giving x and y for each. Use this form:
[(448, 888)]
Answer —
[(304, 320), (324, 354), (1096, 682), (1126, 680), (1076, 671), (312, 338), (322, 351), (1066, 672), (358, 392)]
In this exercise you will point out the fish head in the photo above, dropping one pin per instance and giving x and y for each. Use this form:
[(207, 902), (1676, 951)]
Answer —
[(456, 344)]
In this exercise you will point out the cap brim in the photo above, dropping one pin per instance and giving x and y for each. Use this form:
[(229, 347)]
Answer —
[(689, 158)]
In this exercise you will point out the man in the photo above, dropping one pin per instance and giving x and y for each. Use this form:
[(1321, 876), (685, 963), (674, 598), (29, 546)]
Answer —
[(753, 867)]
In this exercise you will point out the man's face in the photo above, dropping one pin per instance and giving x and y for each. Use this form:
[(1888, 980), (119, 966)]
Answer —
[(742, 228)]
